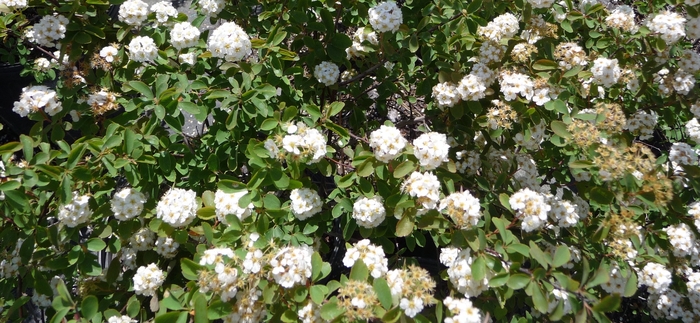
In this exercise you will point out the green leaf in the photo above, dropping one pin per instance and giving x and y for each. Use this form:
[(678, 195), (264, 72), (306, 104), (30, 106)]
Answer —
[(313, 111), (538, 255), (505, 201), (631, 286), (479, 268), (545, 65), (133, 306), (172, 317), (601, 276), (200, 309), (518, 281), (318, 293), (559, 128), (609, 303), (519, 248), (206, 213), (359, 271), (142, 88), (556, 105), (335, 108), (89, 307), (405, 226), (601, 195), (501, 226), (474, 6), (404, 169), (561, 256), (190, 269), (27, 146), (269, 124), (392, 316), (331, 310), (96, 244), (539, 299), (499, 280), (366, 168), (383, 291), (581, 164)]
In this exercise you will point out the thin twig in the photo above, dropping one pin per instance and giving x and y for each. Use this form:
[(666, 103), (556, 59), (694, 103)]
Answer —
[(363, 74)]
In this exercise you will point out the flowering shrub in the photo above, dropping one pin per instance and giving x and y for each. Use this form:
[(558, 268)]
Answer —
[(428, 161)]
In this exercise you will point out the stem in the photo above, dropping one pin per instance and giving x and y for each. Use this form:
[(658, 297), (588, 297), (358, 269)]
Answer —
[(363, 74)]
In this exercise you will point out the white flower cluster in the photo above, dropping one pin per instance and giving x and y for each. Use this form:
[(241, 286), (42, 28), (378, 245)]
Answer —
[(463, 208), (606, 72), (184, 35), (178, 207), (693, 129), (668, 305), (310, 313), (537, 136), (468, 162), (147, 280), (127, 257), (459, 270), (133, 12), (102, 100), (164, 10), (503, 26), (9, 268), (689, 61), (121, 319), (681, 81), (292, 266), (692, 29), (108, 53), (563, 212), (387, 143), (35, 98), (617, 282), (682, 154), (307, 142), (694, 211), (412, 287), (491, 52), (76, 212), (471, 88), (360, 36), (327, 73), (187, 58), (431, 149), (541, 3), (14, 4), (249, 308), (227, 203), (127, 204), (462, 311), (369, 213), (446, 94), (570, 55), (532, 207), (655, 276), (42, 64), (211, 7), (50, 29), (253, 262), (385, 16), (622, 17), (642, 124), (513, 83), (669, 25), (230, 42), (215, 256), (371, 255), (142, 49), (681, 238), (424, 187), (166, 247), (224, 282), (143, 239), (305, 203)]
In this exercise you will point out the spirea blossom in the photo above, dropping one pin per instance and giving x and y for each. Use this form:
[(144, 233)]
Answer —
[(50, 29), (570, 55), (305, 203), (606, 72), (692, 28), (127, 204), (622, 17), (76, 212), (371, 255), (532, 207), (166, 247), (681, 238), (669, 25), (656, 277), (14, 4), (308, 143), (35, 98), (133, 12), (431, 149), (215, 256), (541, 3), (143, 239), (326, 73), (462, 208), (460, 274), (461, 310), (164, 10), (385, 16), (693, 129), (227, 203), (108, 53), (357, 49), (682, 154), (617, 282), (230, 42), (211, 7), (503, 26), (143, 49), (178, 207), (387, 143), (369, 213), (184, 35), (642, 124), (424, 187), (310, 313), (121, 319), (147, 280), (446, 94), (292, 266), (471, 88)]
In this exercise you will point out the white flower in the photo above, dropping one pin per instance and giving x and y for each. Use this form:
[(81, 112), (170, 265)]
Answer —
[(656, 277), (369, 213), (305, 203), (463, 208), (211, 7), (387, 143), (693, 128), (446, 94), (385, 16), (121, 319), (309, 143), (41, 300), (460, 273), (42, 64), (187, 58), (503, 26), (431, 149), (76, 212), (532, 207), (606, 72), (230, 42), (215, 256), (142, 49), (184, 35), (178, 207), (669, 25), (424, 187), (127, 204), (681, 238), (164, 10), (147, 280), (292, 266), (166, 247), (37, 97), (371, 255), (327, 73), (133, 12), (108, 53), (541, 3), (310, 313), (622, 17), (143, 239), (411, 307), (128, 257), (227, 203), (14, 4), (50, 29)]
